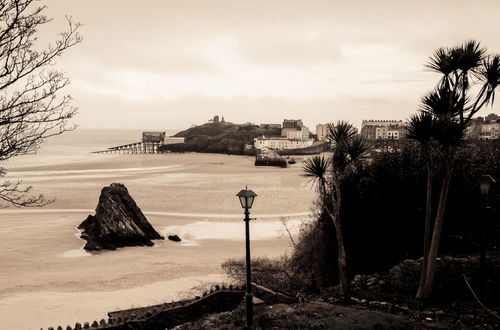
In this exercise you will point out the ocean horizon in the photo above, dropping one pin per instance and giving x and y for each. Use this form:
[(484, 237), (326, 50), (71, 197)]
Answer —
[(77, 145)]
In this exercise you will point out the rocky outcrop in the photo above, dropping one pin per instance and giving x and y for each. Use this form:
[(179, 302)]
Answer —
[(174, 238), (117, 222)]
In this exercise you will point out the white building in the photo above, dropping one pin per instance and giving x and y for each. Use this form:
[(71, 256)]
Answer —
[(173, 140), (281, 143), (382, 129), (322, 131), (490, 131), (305, 133), (293, 134), (384, 132), (393, 134), (487, 128)]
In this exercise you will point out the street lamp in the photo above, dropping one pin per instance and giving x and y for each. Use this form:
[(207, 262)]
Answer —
[(485, 182), (246, 199)]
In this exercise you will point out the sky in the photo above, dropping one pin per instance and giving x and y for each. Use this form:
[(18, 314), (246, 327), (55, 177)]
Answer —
[(161, 64)]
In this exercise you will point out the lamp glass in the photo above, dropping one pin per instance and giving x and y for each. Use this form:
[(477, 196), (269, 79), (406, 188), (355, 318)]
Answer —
[(485, 182), (485, 187), (250, 201), (243, 201), (246, 201)]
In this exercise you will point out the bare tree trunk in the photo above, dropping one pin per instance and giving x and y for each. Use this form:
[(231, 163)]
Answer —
[(436, 236), (342, 260), (427, 231)]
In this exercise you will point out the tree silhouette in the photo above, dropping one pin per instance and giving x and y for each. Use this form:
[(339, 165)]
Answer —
[(347, 150), (439, 126), (30, 108)]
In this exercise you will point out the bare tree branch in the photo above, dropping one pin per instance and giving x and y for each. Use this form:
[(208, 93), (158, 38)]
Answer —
[(13, 193), (31, 109)]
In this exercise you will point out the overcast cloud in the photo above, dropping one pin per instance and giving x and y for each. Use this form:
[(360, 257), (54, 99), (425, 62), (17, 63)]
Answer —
[(161, 64)]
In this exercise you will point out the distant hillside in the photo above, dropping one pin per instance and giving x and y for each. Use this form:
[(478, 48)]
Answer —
[(219, 138)]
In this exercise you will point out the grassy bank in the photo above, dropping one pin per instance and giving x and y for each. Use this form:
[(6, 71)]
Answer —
[(312, 315)]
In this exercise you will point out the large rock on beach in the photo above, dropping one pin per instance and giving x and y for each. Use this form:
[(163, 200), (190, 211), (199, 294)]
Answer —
[(117, 222)]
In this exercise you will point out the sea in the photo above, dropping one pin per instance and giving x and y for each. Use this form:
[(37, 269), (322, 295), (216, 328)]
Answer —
[(48, 279), (78, 145)]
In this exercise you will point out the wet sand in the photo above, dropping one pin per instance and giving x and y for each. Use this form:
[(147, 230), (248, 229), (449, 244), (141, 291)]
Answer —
[(46, 278)]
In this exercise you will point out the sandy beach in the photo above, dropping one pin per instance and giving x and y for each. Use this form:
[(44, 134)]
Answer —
[(47, 279)]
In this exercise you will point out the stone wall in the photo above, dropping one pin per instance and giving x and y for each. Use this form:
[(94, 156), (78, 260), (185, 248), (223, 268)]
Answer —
[(218, 299), (161, 316)]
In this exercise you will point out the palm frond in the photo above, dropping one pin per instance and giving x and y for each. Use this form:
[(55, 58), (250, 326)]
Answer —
[(341, 132), (490, 76), (469, 56), (316, 170), (357, 147), (440, 61), (443, 103), (448, 133), (460, 60), (420, 127)]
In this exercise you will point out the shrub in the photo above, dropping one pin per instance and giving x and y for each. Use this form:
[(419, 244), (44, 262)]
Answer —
[(383, 212), (277, 274)]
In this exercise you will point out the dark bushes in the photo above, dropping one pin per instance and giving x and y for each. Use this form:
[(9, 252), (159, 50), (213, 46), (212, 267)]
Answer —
[(383, 212), (383, 216), (276, 274)]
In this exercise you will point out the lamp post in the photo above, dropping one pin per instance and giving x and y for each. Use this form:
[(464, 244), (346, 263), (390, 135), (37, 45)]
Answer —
[(485, 182), (246, 199)]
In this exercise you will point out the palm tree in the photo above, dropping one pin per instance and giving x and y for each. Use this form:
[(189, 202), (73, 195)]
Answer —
[(316, 170), (420, 128), (440, 125), (347, 149)]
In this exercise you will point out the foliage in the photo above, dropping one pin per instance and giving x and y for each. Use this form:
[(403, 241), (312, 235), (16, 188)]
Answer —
[(276, 274), (311, 315), (384, 203), (346, 154), (314, 254), (30, 107), (219, 138), (439, 128)]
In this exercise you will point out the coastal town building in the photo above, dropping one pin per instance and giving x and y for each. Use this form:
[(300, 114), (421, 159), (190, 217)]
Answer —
[(473, 129), (294, 134), (382, 129), (281, 143), (291, 125), (153, 137), (216, 120), (492, 117), (151, 141), (173, 140), (295, 129), (490, 131), (305, 133), (487, 128), (322, 131)]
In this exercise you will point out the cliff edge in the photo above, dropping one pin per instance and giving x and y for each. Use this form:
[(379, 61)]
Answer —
[(117, 222)]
